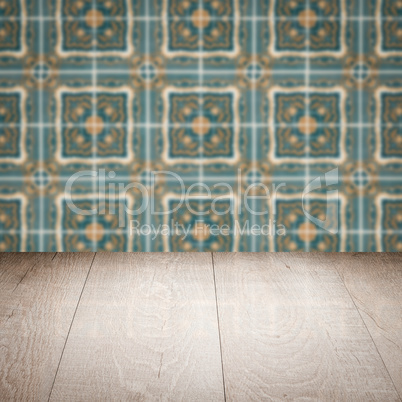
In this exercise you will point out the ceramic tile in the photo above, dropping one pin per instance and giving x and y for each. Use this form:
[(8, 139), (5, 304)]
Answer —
[(275, 94)]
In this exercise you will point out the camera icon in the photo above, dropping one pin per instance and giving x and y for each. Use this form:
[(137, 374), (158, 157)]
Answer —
[(331, 221)]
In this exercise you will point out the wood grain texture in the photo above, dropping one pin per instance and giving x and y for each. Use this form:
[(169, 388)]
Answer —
[(146, 329), (34, 322), (289, 329), (375, 283), (14, 266)]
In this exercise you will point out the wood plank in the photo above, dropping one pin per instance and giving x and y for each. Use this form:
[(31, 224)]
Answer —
[(289, 329), (14, 266), (146, 329), (375, 283), (34, 323)]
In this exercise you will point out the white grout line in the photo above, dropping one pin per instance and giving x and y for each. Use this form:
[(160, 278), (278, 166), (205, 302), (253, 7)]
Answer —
[(212, 71), (122, 231), (361, 133), (273, 179), (307, 113), (270, 179), (240, 18), (41, 127), (254, 140), (212, 125), (147, 113), (200, 106), (94, 125)]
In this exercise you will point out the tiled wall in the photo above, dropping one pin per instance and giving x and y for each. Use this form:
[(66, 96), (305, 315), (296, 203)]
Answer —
[(277, 92)]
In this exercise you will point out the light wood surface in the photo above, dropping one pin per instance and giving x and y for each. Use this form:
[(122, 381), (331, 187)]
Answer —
[(14, 267), (375, 284), (34, 322), (146, 329), (289, 330), (132, 326)]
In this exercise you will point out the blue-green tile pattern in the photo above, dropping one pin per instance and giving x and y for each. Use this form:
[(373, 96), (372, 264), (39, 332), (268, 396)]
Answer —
[(229, 93)]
